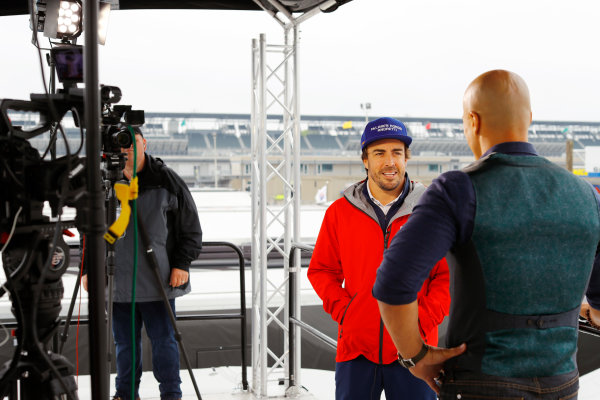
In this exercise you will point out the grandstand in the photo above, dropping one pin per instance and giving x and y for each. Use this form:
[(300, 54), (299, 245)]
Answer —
[(216, 148), (323, 135), (229, 134)]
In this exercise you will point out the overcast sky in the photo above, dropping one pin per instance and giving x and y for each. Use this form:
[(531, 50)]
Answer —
[(406, 57)]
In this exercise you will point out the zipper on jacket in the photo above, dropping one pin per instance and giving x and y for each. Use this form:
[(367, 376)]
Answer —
[(386, 237), (344, 315)]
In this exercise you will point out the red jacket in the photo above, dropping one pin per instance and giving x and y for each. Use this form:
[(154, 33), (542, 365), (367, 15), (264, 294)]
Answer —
[(342, 271)]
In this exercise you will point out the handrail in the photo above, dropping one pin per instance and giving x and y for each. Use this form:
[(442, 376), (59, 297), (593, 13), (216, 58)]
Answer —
[(315, 332), (242, 315), (586, 327), (295, 321)]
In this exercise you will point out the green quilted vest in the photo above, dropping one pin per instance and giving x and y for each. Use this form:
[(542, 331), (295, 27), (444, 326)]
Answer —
[(518, 284)]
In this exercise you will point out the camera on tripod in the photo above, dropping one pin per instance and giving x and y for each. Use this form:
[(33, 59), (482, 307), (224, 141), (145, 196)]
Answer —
[(68, 60), (34, 254), (115, 119)]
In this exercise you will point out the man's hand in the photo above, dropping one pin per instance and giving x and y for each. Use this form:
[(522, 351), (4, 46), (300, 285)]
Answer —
[(594, 315), (178, 277), (430, 368), (84, 282), (402, 324)]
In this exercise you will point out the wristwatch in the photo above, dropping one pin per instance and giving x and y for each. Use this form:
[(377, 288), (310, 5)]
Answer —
[(411, 362)]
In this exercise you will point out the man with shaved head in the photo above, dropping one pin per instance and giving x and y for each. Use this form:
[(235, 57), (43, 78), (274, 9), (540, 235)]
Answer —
[(521, 236)]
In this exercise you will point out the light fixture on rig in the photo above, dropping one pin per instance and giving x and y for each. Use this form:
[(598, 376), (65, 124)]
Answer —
[(63, 19)]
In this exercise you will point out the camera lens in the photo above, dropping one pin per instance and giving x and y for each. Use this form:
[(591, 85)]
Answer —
[(122, 138)]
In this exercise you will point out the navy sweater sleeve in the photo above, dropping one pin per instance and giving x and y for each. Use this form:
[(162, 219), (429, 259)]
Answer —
[(593, 291), (443, 218)]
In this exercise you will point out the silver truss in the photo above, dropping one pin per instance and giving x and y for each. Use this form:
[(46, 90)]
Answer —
[(275, 222)]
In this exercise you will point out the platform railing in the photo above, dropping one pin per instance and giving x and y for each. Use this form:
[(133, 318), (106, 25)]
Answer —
[(241, 315), (293, 319), (586, 327)]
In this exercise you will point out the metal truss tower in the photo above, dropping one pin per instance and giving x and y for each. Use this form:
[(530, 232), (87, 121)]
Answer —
[(275, 222), (275, 153)]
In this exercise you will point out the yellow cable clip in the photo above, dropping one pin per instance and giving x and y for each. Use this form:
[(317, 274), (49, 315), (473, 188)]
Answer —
[(124, 193)]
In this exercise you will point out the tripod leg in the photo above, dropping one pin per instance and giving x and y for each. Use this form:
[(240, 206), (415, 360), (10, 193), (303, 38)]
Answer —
[(109, 313), (14, 391), (65, 333), (155, 268)]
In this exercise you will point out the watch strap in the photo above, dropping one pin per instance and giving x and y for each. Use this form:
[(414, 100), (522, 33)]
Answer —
[(411, 362)]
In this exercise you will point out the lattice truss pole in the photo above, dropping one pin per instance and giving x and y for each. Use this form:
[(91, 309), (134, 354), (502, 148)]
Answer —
[(275, 157)]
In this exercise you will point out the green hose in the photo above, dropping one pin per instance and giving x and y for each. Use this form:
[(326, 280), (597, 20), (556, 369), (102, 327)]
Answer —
[(135, 264)]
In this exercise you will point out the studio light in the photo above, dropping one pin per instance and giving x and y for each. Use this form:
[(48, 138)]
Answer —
[(63, 19)]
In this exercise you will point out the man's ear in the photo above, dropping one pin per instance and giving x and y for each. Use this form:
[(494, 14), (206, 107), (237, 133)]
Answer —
[(475, 122)]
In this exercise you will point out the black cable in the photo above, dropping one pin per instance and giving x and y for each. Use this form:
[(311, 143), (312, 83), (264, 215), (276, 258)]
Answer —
[(46, 267), (11, 173), (38, 289), (52, 249), (76, 113), (51, 142), (16, 300), (19, 316)]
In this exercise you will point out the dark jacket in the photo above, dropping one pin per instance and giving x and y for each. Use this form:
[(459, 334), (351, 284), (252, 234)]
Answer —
[(171, 221)]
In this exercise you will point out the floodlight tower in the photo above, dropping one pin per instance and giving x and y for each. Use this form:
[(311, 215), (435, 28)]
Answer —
[(275, 162), (366, 107)]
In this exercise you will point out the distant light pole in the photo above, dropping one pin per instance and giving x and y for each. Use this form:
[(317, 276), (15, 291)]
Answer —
[(366, 107), (215, 148)]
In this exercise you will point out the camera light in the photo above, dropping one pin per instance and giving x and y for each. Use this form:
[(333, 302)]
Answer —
[(63, 19)]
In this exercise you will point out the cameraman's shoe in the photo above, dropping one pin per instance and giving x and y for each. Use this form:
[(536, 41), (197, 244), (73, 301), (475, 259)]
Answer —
[(120, 398)]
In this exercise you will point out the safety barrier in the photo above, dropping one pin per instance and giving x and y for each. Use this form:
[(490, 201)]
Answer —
[(242, 315)]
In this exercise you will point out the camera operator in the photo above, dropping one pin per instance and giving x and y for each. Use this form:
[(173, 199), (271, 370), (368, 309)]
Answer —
[(171, 219)]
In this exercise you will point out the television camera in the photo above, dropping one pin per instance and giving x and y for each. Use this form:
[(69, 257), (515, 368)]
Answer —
[(34, 253)]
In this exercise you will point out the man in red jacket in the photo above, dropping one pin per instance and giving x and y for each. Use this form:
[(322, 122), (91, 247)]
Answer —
[(355, 232)]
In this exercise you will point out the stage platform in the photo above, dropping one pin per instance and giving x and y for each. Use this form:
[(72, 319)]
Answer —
[(224, 383)]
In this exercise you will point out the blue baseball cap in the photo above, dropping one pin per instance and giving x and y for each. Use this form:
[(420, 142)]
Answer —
[(384, 128)]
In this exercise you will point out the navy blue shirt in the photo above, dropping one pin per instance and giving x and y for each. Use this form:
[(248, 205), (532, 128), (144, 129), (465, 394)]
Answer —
[(432, 230)]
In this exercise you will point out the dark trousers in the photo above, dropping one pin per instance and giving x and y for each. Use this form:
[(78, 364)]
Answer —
[(361, 379), (467, 385), (165, 353)]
